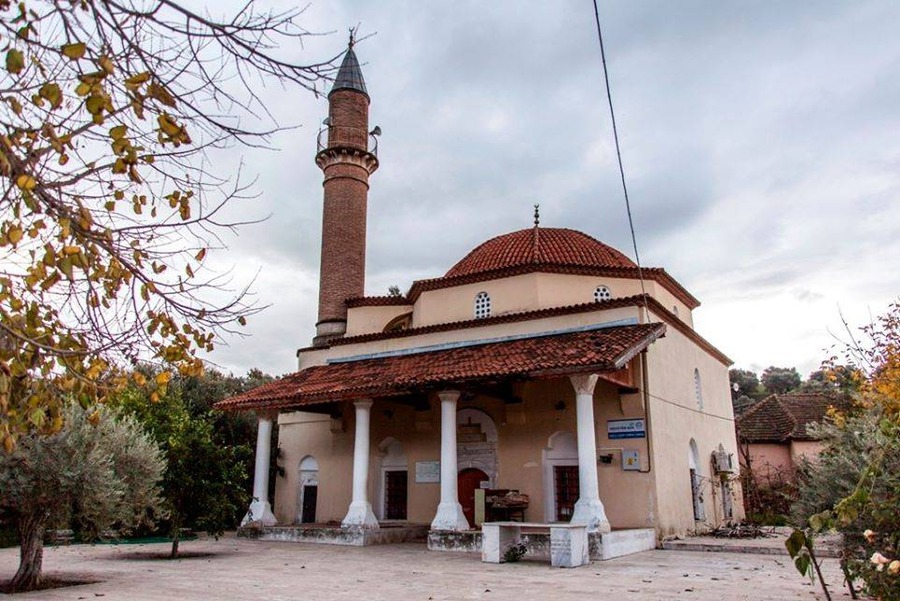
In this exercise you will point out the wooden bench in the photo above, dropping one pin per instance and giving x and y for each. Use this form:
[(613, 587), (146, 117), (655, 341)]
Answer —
[(568, 542)]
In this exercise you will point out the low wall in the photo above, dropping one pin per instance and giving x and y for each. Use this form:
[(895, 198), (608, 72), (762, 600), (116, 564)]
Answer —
[(537, 544)]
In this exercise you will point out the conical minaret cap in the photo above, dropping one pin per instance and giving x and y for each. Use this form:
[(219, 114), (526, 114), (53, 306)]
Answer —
[(349, 76)]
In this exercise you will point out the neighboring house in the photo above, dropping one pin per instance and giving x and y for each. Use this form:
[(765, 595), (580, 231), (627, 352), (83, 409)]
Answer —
[(544, 362), (773, 434)]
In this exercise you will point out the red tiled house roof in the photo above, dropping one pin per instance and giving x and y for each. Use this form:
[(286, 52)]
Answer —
[(596, 351), (783, 417)]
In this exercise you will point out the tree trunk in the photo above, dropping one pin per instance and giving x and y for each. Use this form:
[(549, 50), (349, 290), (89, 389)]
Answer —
[(175, 536), (31, 554)]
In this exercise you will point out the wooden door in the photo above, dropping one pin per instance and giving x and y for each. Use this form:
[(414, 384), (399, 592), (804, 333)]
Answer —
[(566, 489), (395, 490), (468, 481), (310, 494)]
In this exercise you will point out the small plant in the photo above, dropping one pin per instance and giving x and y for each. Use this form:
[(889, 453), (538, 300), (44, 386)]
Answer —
[(514, 552)]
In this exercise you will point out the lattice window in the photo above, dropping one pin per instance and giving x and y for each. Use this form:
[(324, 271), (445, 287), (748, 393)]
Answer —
[(602, 293), (565, 481), (482, 305), (395, 492)]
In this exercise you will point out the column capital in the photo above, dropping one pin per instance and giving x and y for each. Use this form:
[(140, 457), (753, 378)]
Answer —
[(362, 403), (584, 383), (269, 415), (448, 396)]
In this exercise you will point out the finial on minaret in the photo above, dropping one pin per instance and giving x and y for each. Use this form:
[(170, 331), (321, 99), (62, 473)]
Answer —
[(537, 215), (352, 37)]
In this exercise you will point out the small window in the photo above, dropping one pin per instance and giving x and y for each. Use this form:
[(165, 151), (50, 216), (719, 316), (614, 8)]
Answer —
[(698, 390), (482, 305), (675, 310), (602, 293)]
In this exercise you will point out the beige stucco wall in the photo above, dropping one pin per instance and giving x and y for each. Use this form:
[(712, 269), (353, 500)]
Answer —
[(529, 292), (365, 320), (628, 496), (311, 357), (676, 419)]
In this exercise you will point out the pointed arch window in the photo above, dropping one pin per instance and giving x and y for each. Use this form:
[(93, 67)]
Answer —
[(482, 305)]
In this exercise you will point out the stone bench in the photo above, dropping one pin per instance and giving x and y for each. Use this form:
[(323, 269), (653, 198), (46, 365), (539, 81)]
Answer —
[(568, 542)]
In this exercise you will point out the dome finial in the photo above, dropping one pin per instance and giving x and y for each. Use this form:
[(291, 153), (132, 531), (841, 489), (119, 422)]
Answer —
[(537, 215)]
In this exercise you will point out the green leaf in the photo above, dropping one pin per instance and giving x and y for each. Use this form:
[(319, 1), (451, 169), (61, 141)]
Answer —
[(15, 61), (818, 521), (94, 105), (802, 563), (795, 542), (74, 51), (118, 132), (53, 93)]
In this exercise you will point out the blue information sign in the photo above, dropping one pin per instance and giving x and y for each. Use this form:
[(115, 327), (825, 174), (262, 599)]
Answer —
[(625, 428)]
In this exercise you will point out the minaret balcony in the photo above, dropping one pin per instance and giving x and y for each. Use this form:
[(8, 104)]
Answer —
[(338, 136)]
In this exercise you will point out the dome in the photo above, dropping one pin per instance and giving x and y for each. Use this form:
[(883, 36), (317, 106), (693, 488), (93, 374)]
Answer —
[(539, 246)]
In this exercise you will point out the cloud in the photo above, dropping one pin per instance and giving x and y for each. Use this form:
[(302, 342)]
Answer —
[(759, 144)]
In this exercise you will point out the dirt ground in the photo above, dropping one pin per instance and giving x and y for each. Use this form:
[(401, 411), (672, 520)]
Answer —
[(237, 569)]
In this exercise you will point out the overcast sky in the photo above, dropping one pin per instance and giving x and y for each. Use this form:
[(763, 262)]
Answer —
[(760, 142)]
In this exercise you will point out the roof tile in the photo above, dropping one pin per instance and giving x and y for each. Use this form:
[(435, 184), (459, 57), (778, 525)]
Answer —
[(602, 350)]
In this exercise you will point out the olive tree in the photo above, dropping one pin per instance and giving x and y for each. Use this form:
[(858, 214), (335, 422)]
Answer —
[(97, 472), (109, 197)]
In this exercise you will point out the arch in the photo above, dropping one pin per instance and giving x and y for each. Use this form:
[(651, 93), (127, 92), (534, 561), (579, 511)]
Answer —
[(561, 453), (399, 323), (477, 438), (307, 489), (602, 293), (482, 305), (696, 481), (392, 480)]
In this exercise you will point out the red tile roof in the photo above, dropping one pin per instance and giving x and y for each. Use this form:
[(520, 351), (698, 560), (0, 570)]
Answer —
[(539, 246), (596, 351), (784, 417)]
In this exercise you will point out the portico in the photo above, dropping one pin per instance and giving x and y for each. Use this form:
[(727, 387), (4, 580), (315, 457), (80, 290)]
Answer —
[(386, 394)]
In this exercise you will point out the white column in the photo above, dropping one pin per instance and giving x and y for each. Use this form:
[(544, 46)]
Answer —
[(360, 513), (449, 514), (588, 510), (260, 511)]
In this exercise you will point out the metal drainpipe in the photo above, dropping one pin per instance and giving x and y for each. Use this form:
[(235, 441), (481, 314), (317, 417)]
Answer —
[(645, 385)]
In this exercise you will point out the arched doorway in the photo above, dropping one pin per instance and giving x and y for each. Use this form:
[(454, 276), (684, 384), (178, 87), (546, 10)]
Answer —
[(468, 481), (307, 489)]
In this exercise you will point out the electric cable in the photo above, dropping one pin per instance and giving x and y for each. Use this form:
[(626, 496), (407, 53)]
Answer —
[(612, 115)]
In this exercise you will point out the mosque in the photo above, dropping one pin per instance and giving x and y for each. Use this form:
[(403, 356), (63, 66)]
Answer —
[(544, 377)]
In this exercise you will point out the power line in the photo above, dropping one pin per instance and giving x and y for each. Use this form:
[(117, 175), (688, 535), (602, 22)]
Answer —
[(612, 115)]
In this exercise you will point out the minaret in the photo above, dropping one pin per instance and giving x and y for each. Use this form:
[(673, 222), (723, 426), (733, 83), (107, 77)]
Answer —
[(347, 163)]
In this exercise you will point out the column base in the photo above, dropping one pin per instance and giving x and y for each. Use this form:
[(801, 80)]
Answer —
[(450, 516), (591, 513), (260, 512), (360, 516)]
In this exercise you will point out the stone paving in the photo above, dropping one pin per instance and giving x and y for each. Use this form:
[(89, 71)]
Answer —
[(241, 569)]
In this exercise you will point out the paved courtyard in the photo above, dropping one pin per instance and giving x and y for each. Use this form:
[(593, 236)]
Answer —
[(245, 570)]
